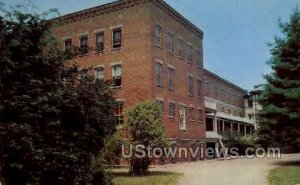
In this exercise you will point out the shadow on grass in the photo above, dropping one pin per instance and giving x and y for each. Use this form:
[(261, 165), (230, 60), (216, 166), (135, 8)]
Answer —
[(288, 163), (155, 173)]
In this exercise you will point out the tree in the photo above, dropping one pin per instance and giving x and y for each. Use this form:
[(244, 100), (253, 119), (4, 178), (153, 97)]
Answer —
[(145, 128), (53, 119), (280, 117)]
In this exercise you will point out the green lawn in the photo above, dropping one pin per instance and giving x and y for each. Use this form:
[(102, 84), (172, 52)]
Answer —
[(154, 178), (286, 175)]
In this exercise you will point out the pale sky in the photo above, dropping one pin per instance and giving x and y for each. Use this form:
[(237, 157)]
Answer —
[(236, 32)]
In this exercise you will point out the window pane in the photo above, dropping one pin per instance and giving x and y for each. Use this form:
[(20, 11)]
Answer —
[(117, 34), (68, 44), (83, 45), (170, 42), (158, 35), (171, 78), (159, 73), (118, 113), (191, 88), (116, 74), (117, 70), (180, 48), (189, 53), (99, 73), (199, 88)]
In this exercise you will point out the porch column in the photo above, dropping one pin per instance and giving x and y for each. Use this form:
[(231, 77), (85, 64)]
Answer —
[(239, 128), (215, 124), (231, 126), (245, 130)]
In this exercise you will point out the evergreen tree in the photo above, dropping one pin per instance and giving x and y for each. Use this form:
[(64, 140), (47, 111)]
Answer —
[(52, 121), (280, 117)]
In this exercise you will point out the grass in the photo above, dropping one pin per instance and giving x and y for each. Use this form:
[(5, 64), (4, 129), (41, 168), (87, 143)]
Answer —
[(154, 178), (286, 175)]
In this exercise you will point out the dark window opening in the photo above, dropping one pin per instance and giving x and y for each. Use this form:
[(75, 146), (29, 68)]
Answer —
[(117, 38)]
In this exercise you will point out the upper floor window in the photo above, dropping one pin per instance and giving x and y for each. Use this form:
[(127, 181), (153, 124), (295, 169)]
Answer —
[(99, 73), (172, 110), (158, 35), (83, 45), (171, 78), (191, 113), (216, 91), (170, 44), (198, 58), (99, 42), (68, 45), (117, 75), (180, 48), (189, 53), (199, 115), (199, 87), (206, 88), (159, 74), (191, 85), (118, 112), (161, 107), (117, 38)]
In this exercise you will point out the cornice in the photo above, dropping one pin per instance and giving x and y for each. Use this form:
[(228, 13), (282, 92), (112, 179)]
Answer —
[(177, 16), (96, 11), (124, 4), (207, 72)]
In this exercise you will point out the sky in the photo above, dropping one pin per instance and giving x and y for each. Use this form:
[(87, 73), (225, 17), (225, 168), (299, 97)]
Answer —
[(236, 32)]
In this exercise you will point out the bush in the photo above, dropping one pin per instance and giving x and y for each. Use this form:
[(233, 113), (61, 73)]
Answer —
[(145, 128), (233, 139)]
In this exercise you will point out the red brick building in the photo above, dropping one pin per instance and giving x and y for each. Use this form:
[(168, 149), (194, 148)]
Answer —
[(150, 51)]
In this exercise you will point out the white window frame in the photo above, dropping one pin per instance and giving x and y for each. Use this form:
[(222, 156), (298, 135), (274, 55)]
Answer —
[(182, 117)]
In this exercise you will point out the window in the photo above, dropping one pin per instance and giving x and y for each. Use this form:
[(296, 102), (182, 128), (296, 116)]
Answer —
[(199, 115), (83, 45), (68, 45), (158, 35), (191, 85), (116, 74), (191, 113), (118, 113), (206, 88), (100, 42), (161, 107), (117, 38), (182, 118), (171, 78), (180, 48), (198, 58), (99, 73), (189, 53), (170, 44), (216, 91), (199, 86), (172, 110), (159, 74)]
